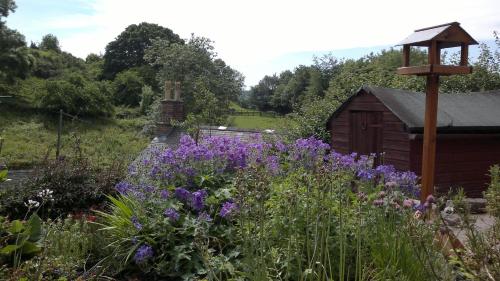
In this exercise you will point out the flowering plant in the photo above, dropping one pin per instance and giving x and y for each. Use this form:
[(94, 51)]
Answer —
[(176, 211)]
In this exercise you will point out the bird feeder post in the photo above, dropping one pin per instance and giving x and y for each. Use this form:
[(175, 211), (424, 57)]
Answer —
[(434, 38)]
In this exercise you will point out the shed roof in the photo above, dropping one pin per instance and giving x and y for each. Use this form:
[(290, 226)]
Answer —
[(479, 111), (449, 35)]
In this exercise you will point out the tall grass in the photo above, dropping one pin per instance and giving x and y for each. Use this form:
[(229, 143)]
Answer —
[(318, 227)]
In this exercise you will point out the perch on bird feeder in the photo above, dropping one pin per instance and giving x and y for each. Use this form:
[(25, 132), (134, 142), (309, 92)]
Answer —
[(434, 38)]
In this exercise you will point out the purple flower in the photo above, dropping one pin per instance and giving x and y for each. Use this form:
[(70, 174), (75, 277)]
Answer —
[(182, 194), (280, 146), (136, 223), (172, 214), (164, 194), (378, 202), (198, 199), (204, 216), (123, 187), (366, 174), (430, 199), (408, 203), (143, 253), (228, 209), (273, 164)]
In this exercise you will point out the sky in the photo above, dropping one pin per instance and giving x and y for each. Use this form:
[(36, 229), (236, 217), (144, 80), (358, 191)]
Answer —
[(255, 37)]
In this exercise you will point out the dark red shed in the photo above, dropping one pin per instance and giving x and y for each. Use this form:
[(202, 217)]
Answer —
[(377, 120)]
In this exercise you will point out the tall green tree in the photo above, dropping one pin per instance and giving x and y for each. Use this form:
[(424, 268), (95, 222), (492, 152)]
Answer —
[(195, 63), (15, 61), (127, 50), (50, 43)]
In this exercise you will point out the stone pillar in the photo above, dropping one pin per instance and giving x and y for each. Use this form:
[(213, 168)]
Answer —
[(168, 90), (177, 91)]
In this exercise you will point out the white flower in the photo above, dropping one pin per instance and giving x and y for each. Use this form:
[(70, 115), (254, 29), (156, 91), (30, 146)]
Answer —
[(32, 204), (46, 194)]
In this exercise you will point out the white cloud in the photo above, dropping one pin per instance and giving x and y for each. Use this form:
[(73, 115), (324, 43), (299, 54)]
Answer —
[(252, 33)]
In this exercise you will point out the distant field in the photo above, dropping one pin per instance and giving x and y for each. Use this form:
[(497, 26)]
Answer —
[(255, 122), (29, 137)]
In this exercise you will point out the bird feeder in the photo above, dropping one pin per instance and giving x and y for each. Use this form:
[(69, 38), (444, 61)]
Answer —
[(435, 38)]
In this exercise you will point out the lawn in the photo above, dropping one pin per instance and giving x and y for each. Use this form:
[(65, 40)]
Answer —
[(28, 137), (255, 122)]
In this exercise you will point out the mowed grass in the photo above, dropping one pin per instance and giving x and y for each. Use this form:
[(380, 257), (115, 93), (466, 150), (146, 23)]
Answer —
[(29, 137), (258, 122)]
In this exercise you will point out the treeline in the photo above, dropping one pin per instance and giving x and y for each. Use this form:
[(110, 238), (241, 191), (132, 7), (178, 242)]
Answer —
[(130, 73), (309, 94)]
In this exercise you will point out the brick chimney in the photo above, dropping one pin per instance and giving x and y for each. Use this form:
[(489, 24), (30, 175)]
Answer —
[(172, 107)]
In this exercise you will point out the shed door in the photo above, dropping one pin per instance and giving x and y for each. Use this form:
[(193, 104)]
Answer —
[(366, 132)]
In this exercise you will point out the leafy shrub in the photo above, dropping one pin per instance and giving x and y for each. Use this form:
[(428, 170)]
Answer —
[(19, 239), (128, 88), (73, 183), (76, 96), (147, 97), (479, 259), (66, 248)]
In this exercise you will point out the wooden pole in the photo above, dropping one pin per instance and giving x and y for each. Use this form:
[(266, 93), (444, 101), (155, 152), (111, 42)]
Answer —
[(59, 130), (429, 147)]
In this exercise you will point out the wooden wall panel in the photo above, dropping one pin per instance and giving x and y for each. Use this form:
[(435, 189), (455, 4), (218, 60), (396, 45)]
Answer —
[(461, 161)]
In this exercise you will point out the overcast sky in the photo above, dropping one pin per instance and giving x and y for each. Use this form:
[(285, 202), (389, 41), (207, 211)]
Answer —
[(256, 37)]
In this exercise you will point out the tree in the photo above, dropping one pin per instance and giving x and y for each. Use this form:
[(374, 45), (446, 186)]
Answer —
[(261, 94), (7, 6), (127, 50), (195, 63), (75, 95), (15, 61), (128, 88), (50, 43)]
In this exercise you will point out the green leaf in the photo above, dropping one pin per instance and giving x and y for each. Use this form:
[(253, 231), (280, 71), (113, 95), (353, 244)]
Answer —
[(9, 249), (3, 175), (30, 248), (35, 228), (16, 226)]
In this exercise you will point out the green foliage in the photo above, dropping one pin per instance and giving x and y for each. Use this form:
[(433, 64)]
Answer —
[(480, 258), (127, 88), (147, 98), (280, 124), (3, 173), (178, 244), (127, 50), (15, 61), (50, 43), (195, 64), (6, 7), (20, 239), (206, 110), (30, 136), (74, 185), (324, 226), (76, 96)]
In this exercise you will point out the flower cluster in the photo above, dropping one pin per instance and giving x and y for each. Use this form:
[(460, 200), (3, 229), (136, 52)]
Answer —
[(228, 209), (143, 253)]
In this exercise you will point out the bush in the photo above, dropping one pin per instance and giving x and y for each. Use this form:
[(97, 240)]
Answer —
[(73, 183), (128, 88), (75, 96)]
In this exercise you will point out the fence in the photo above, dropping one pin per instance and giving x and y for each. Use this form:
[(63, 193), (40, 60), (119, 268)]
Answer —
[(60, 127)]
